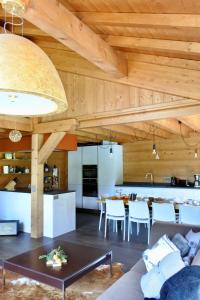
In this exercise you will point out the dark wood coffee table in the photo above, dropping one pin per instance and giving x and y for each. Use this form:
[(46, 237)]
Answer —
[(82, 259)]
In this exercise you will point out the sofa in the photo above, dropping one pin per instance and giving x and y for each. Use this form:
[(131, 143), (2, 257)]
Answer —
[(128, 286)]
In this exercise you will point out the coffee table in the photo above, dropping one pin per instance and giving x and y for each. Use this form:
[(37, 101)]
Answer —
[(81, 260)]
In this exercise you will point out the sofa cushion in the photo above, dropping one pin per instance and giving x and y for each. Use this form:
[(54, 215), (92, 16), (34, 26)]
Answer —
[(196, 260), (139, 267), (126, 288), (162, 248), (152, 281), (181, 243)]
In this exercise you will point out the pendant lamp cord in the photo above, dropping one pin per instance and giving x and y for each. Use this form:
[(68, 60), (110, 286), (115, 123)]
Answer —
[(21, 23)]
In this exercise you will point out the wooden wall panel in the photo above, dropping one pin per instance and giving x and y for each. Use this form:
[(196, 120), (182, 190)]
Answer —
[(176, 159), (59, 158), (88, 96)]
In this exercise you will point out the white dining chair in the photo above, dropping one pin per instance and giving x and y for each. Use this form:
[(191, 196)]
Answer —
[(189, 214), (115, 211), (102, 208), (163, 212), (138, 213)]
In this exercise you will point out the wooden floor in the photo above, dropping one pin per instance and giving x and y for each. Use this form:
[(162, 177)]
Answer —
[(87, 233)]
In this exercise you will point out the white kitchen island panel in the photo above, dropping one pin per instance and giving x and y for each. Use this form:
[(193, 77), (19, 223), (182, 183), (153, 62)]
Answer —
[(163, 192), (59, 211), (16, 206)]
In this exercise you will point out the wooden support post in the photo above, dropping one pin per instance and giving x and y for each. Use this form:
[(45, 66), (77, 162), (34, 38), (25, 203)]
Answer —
[(37, 178)]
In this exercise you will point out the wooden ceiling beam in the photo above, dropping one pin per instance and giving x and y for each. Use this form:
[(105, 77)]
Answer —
[(105, 134), (49, 146), (55, 126), (56, 20), (20, 123), (130, 131), (140, 19), (173, 126), (85, 135), (191, 121), (173, 111), (165, 61), (164, 47), (150, 130)]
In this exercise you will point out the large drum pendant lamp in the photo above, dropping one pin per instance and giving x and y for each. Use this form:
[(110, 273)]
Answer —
[(29, 82)]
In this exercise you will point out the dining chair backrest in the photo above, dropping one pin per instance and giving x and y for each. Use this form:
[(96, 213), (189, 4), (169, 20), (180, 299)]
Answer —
[(115, 208), (189, 214), (138, 209), (163, 212)]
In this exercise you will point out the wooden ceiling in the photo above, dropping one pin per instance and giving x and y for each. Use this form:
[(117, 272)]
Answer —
[(158, 42)]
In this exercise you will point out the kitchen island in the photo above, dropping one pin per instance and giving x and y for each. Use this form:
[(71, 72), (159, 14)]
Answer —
[(59, 211), (162, 190)]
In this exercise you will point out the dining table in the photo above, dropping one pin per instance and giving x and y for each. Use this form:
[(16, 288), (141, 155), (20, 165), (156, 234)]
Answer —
[(149, 200)]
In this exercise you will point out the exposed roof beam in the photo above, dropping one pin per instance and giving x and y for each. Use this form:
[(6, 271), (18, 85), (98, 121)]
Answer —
[(56, 20), (49, 146), (152, 130), (131, 131), (85, 135), (191, 121), (55, 126), (165, 61), (20, 123), (135, 19), (106, 134), (173, 126), (174, 48), (173, 111)]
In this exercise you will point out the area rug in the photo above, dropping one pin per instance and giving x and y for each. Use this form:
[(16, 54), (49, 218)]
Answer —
[(89, 287)]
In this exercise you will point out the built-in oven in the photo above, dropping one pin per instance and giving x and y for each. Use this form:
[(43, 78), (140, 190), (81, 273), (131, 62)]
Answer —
[(90, 181), (89, 171), (90, 187)]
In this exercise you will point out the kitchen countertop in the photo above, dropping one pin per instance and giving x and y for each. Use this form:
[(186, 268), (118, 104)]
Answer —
[(21, 190), (154, 185)]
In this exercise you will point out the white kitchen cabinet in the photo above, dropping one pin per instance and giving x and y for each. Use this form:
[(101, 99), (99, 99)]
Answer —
[(110, 170), (75, 166), (89, 155), (90, 202), (78, 189)]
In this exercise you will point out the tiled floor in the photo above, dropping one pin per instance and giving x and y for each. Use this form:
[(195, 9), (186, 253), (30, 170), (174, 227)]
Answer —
[(87, 233)]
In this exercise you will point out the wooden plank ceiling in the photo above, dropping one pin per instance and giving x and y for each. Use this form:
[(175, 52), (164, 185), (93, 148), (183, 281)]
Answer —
[(153, 37)]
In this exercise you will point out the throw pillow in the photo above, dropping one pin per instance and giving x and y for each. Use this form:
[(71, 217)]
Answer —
[(196, 260), (162, 248), (152, 282), (194, 243), (181, 243), (193, 237)]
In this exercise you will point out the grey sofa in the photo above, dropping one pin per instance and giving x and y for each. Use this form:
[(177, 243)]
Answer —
[(128, 286)]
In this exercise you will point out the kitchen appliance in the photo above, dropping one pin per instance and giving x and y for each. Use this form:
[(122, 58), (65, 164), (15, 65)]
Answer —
[(197, 180), (90, 180), (173, 181), (89, 171)]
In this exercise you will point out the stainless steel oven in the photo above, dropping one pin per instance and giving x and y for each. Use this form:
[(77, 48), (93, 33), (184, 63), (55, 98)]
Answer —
[(90, 181)]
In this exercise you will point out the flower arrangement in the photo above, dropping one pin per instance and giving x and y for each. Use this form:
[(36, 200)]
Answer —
[(55, 257)]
